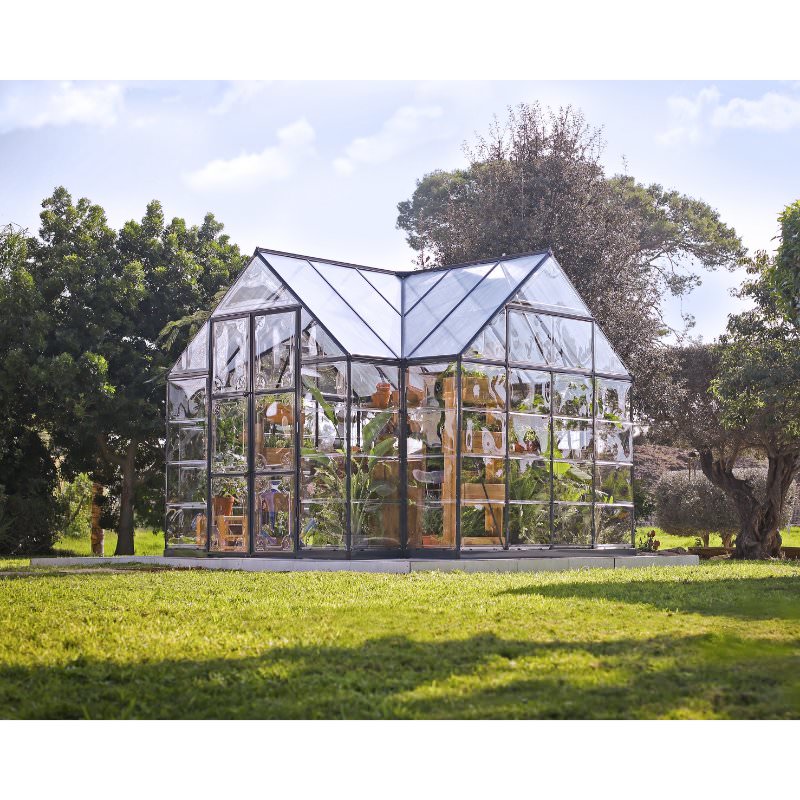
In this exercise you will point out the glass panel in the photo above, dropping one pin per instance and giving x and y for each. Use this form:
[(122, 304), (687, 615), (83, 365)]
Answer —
[(490, 343), (316, 343), (483, 386), (186, 526), (374, 480), (529, 435), (274, 504), (431, 385), (605, 359), (323, 477), (529, 524), (274, 351), (362, 298), (530, 391), (229, 521), (572, 343), (375, 526), (613, 525), (438, 303), (484, 433), (469, 316), (483, 479), (572, 395), (530, 337), (572, 525), (613, 400), (431, 446), (572, 482), (529, 479), (420, 282), (231, 355), (195, 356), (186, 442), (229, 435), (431, 522), (614, 441), (274, 432), (187, 398), (375, 385), (550, 287), (389, 286), (613, 484), (326, 305), (255, 288), (572, 439), (482, 525), (322, 525), (186, 483)]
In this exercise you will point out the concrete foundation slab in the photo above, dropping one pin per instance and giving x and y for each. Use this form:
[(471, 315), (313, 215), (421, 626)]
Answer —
[(392, 566)]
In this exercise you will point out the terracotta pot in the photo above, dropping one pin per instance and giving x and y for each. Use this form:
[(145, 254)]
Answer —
[(380, 399), (223, 506), (414, 395)]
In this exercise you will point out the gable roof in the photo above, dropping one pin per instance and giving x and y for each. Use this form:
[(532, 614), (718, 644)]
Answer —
[(389, 314)]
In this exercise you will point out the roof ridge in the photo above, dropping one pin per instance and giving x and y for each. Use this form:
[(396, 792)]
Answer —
[(406, 273)]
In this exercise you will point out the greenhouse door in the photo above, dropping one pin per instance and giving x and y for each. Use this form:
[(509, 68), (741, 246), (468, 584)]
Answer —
[(254, 422)]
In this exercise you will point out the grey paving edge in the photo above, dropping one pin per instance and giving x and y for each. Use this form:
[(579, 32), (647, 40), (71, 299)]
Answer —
[(395, 566)]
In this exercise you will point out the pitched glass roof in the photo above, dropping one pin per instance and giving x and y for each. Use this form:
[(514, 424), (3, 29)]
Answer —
[(390, 315)]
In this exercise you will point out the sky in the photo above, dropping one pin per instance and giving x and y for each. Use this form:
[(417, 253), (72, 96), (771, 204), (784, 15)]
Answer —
[(319, 167)]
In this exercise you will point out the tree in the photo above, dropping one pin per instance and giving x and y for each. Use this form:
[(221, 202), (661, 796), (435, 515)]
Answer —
[(101, 372), (785, 270), (29, 508), (537, 181), (741, 396)]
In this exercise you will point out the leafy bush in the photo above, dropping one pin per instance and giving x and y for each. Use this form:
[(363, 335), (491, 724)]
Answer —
[(693, 506)]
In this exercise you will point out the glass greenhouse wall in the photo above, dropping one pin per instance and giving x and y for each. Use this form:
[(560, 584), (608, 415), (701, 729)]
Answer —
[(332, 410)]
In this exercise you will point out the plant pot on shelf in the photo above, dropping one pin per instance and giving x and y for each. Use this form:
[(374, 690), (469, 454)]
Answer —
[(414, 395), (277, 456), (381, 395), (223, 506)]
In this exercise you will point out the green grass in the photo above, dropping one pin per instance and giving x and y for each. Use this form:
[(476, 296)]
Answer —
[(145, 543), (718, 640), (668, 540)]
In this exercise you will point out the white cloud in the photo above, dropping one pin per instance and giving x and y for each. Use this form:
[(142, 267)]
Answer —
[(407, 128), (772, 112), (702, 117), (238, 92), (35, 105), (273, 163)]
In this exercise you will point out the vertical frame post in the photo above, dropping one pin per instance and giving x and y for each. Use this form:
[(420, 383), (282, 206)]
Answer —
[(298, 430), (403, 454), (593, 382), (458, 457), (348, 535), (251, 428), (507, 507), (209, 432)]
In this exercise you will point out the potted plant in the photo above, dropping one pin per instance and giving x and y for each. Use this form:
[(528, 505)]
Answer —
[(226, 491)]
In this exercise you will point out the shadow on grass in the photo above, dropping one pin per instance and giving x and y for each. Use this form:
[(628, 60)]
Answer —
[(742, 598), (482, 676)]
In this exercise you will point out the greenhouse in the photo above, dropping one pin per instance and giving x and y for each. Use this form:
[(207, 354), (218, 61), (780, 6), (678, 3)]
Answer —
[(333, 410)]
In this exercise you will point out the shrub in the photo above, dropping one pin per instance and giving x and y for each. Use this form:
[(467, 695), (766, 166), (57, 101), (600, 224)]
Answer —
[(695, 507)]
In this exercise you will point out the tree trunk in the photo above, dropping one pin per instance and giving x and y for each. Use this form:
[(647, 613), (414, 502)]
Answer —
[(759, 519), (125, 533), (96, 531)]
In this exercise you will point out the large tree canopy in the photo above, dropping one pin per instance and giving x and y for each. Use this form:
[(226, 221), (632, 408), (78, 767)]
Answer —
[(537, 181), (96, 367), (743, 395)]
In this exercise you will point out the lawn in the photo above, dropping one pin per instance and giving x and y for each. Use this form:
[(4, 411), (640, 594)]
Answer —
[(145, 543), (792, 539), (718, 640)]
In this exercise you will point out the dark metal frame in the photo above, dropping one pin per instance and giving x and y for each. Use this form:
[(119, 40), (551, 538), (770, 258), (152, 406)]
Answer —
[(403, 364)]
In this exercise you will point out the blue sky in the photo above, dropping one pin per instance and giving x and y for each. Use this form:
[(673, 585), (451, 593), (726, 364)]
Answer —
[(318, 167)]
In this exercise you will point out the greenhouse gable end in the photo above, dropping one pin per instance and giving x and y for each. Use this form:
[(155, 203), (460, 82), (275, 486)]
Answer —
[(329, 409)]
